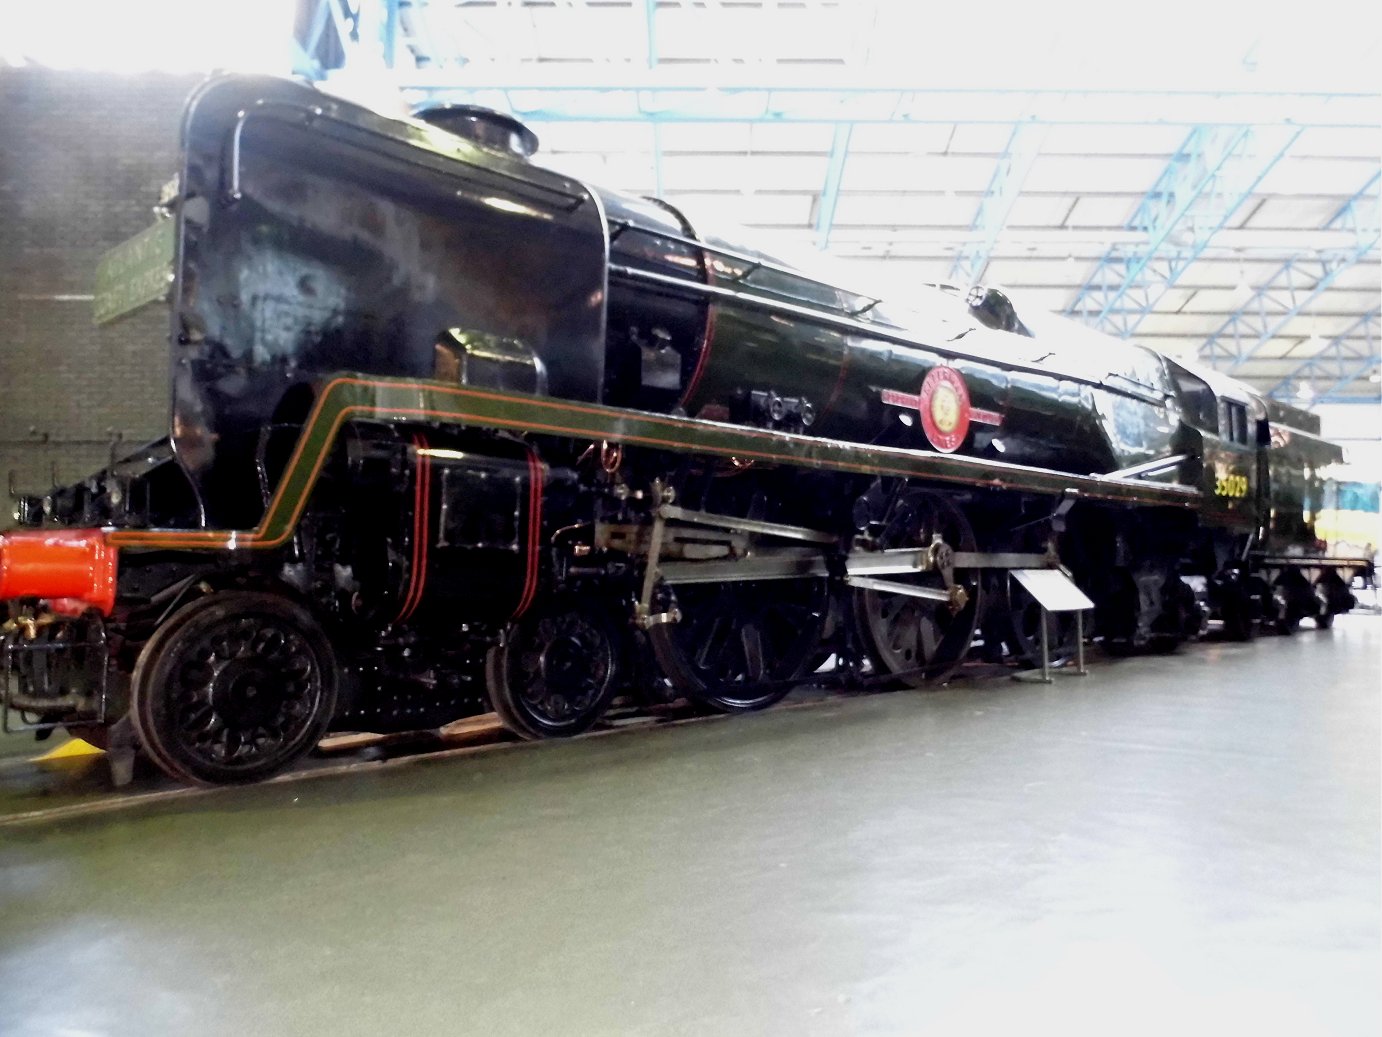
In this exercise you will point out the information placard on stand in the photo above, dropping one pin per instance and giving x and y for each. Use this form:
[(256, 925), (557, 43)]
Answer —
[(1054, 591)]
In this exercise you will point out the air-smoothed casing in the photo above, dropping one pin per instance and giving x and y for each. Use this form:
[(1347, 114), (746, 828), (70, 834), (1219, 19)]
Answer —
[(316, 236)]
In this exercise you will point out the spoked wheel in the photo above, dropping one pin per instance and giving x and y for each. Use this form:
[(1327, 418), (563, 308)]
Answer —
[(917, 640), (1240, 605), (236, 686), (554, 675), (742, 646)]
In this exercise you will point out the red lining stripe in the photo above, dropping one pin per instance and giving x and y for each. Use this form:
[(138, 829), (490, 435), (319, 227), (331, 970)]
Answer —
[(424, 524), (257, 538), (534, 534), (417, 575), (251, 538), (706, 339)]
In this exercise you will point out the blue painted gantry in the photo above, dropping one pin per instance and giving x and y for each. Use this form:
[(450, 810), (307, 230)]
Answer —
[(1349, 357), (1295, 285), (1208, 179), (1021, 150)]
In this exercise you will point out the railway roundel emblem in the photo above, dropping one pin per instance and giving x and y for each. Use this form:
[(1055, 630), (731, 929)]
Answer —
[(944, 406)]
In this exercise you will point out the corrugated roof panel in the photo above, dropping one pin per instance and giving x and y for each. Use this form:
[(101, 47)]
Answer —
[(1321, 327), (1182, 324), (1102, 211), (1304, 213), (916, 173), (1337, 142), (1366, 276), (980, 139), (745, 209), (1112, 140), (900, 138), (1039, 210), (1102, 174), (904, 210), (742, 172), (1295, 175)]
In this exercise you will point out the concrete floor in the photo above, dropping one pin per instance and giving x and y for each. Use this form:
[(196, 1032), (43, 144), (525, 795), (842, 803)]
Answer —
[(1173, 845)]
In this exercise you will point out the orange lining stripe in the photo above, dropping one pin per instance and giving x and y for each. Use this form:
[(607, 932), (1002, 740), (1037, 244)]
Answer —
[(256, 539), (534, 534), (424, 525), (707, 338), (417, 575)]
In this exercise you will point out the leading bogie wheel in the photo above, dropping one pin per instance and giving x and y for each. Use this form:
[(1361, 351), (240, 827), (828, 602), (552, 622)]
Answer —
[(1295, 599), (237, 685)]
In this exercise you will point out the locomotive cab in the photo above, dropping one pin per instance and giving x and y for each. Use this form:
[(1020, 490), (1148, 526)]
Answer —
[(1226, 418)]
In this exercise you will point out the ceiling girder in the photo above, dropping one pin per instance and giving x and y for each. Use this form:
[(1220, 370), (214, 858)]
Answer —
[(1215, 171), (1024, 144), (1349, 357), (1295, 285)]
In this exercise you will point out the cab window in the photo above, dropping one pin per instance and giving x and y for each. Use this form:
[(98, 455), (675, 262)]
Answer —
[(1233, 422), (1197, 400)]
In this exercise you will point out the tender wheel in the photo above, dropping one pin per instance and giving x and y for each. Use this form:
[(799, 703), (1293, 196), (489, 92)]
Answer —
[(1332, 596), (554, 675), (733, 639), (917, 640), (235, 687), (1295, 600), (1238, 612)]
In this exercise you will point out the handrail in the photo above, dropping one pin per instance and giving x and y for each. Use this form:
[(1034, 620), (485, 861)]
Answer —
[(310, 114), (755, 263)]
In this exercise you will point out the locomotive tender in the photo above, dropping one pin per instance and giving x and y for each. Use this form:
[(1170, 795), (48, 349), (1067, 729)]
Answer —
[(452, 432)]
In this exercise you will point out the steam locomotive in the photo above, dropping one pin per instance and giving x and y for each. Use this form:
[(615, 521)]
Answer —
[(451, 432)]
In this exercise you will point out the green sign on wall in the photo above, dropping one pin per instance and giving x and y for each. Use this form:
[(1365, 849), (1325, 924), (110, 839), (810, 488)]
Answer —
[(135, 272)]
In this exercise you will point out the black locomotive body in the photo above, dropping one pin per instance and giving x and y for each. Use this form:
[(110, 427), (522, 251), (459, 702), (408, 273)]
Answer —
[(451, 432)]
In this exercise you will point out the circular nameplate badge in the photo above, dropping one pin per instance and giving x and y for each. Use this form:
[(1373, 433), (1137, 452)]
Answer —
[(944, 407)]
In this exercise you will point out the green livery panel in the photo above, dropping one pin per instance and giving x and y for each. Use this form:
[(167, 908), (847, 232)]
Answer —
[(352, 397)]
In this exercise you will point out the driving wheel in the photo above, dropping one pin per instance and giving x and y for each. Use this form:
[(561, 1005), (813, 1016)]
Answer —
[(742, 646), (920, 641)]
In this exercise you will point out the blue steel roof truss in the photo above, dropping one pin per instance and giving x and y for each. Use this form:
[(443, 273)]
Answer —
[(1347, 359), (1209, 178), (1024, 144), (1295, 285)]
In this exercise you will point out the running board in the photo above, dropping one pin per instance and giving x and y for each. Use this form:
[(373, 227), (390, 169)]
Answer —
[(1147, 468), (804, 563)]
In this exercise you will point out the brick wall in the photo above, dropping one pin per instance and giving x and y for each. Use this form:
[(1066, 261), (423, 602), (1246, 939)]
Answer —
[(82, 156)]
